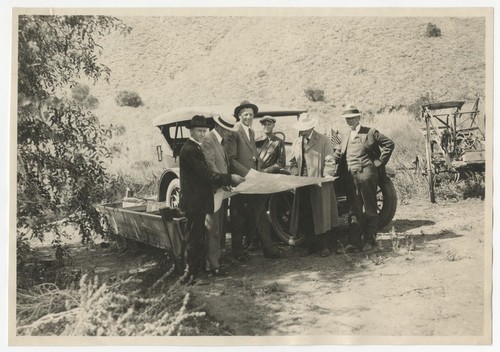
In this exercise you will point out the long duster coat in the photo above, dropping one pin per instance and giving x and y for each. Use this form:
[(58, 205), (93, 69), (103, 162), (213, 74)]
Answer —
[(320, 162)]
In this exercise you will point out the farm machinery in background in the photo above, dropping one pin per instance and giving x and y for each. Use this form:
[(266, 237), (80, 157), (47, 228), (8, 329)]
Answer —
[(455, 142)]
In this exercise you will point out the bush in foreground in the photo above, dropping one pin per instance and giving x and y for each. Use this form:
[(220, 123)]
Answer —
[(94, 309)]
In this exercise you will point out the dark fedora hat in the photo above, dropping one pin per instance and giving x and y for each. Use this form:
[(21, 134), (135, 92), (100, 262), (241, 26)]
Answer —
[(243, 105), (198, 121)]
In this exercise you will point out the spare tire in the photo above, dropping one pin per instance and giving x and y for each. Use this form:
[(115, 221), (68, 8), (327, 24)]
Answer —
[(387, 201)]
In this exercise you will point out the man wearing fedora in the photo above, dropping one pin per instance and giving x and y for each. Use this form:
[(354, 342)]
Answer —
[(314, 211), (248, 211), (197, 196), (270, 147), (218, 162), (361, 159)]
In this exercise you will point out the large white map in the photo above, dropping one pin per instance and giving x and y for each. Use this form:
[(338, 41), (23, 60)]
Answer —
[(264, 183)]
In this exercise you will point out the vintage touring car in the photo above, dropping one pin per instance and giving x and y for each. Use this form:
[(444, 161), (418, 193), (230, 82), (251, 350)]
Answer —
[(157, 221)]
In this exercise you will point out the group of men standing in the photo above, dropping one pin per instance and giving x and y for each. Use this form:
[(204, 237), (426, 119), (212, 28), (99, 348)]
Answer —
[(224, 156)]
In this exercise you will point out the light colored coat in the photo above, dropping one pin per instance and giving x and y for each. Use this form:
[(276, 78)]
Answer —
[(215, 154), (320, 163), (218, 162)]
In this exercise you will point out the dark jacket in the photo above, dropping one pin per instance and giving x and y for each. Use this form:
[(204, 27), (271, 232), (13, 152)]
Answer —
[(242, 152), (272, 153), (197, 180)]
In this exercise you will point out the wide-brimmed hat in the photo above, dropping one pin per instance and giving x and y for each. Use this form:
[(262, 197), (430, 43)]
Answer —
[(225, 121), (198, 121), (267, 118), (243, 105), (305, 122), (350, 111)]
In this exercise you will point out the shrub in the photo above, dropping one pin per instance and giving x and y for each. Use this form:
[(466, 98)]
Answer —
[(91, 102), (118, 130), (126, 98), (415, 109), (106, 309), (432, 30), (314, 94), (262, 73), (80, 92)]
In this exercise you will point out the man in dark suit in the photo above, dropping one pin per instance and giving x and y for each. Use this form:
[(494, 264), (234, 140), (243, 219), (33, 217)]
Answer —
[(361, 159), (197, 197), (248, 211), (218, 162)]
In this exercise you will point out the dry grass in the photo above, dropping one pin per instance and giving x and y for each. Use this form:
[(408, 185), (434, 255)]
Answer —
[(100, 309)]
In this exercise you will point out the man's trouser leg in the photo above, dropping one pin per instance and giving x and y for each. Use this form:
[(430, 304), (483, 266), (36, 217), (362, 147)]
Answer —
[(355, 212), (213, 224), (366, 183), (259, 223), (237, 211), (195, 239), (306, 223)]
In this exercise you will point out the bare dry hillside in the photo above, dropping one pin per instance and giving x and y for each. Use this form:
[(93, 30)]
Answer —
[(374, 62)]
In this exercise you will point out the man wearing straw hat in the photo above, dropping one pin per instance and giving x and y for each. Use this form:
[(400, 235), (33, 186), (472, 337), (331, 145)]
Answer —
[(314, 211), (218, 162), (361, 159)]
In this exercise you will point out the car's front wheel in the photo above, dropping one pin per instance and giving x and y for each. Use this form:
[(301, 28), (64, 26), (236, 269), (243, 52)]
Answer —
[(173, 193)]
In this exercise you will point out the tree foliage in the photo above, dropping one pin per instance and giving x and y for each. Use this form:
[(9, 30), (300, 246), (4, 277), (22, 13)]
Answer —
[(61, 148)]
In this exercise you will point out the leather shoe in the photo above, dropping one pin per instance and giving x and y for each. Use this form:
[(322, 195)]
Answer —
[(253, 247), (187, 278), (216, 272), (348, 249), (242, 256), (367, 247), (274, 254)]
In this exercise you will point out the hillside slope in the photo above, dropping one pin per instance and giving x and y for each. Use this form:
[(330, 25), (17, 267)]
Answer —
[(374, 62)]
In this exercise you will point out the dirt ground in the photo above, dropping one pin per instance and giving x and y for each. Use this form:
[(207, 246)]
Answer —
[(427, 282)]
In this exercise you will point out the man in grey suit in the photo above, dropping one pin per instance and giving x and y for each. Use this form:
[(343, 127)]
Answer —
[(248, 211), (361, 160), (218, 162)]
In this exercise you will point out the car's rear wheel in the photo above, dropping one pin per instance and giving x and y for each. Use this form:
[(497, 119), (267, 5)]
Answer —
[(387, 201)]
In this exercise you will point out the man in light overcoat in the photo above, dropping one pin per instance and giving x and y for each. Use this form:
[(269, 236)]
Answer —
[(314, 209)]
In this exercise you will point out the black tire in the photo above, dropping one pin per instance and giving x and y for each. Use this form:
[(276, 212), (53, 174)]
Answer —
[(280, 212), (387, 200)]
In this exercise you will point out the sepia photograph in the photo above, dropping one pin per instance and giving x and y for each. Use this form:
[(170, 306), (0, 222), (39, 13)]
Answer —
[(251, 176)]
